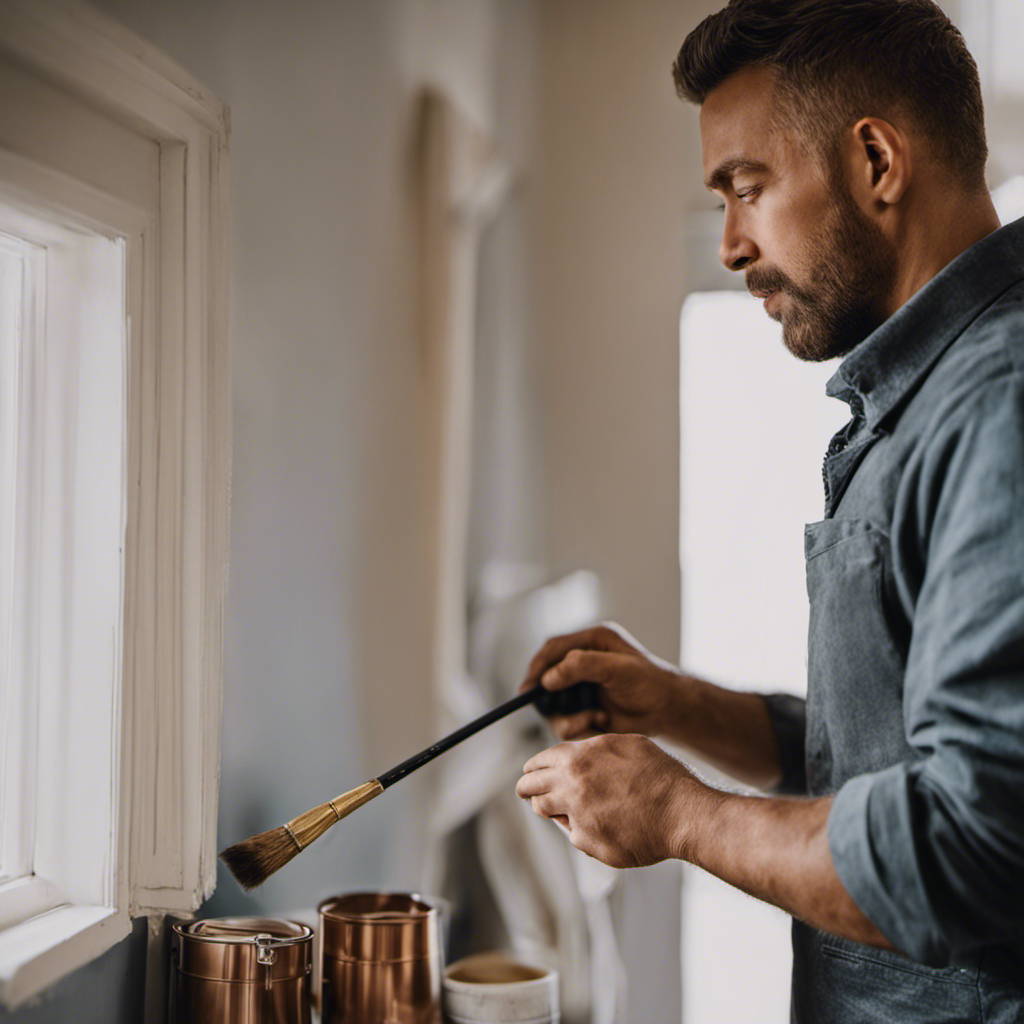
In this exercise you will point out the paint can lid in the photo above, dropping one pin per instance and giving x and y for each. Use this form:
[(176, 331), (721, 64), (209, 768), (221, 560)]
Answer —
[(244, 948), (379, 927)]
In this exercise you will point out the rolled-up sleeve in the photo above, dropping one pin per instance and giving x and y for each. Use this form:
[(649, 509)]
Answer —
[(933, 850)]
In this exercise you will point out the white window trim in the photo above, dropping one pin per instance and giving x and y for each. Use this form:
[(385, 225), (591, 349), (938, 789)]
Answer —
[(16, 719), (166, 726)]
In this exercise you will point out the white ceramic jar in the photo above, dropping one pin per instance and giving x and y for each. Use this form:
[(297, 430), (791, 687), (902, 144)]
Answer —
[(494, 988)]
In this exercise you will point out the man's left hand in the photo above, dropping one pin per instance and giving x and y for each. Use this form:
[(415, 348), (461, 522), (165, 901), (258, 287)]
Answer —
[(628, 803), (622, 798)]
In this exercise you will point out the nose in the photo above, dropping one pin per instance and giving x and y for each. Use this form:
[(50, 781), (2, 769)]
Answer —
[(737, 250)]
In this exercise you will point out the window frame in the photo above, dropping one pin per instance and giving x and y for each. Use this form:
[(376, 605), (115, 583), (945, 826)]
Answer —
[(17, 725), (64, 454), (163, 721)]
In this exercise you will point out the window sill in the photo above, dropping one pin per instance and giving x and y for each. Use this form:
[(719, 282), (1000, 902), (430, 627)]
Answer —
[(39, 951)]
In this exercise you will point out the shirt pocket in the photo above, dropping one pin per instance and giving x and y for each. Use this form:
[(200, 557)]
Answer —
[(900, 989), (855, 667)]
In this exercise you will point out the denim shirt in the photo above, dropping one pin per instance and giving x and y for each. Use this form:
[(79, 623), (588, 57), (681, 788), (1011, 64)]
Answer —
[(914, 716)]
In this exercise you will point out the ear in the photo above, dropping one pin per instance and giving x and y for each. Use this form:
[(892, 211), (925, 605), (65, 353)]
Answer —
[(881, 161)]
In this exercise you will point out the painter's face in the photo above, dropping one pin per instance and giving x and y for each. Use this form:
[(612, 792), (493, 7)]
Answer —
[(823, 267)]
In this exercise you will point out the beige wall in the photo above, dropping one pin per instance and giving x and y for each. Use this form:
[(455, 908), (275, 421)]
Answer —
[(618, 164)]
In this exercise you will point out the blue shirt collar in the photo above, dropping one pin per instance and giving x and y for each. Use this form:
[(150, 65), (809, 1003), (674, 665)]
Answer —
[(886, 366)]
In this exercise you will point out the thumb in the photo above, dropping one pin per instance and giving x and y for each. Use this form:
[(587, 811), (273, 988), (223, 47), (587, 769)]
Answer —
[(580, 666)]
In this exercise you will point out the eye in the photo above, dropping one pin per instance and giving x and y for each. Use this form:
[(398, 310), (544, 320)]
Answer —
[(749, 194)]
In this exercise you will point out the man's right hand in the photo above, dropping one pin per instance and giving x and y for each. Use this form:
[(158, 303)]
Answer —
[(638, 689), (641, 693)]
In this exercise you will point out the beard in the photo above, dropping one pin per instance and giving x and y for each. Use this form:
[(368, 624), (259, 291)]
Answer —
[(851, 273)]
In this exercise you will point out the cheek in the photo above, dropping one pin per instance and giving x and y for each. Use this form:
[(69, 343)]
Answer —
[(793, 228), (793, 241)]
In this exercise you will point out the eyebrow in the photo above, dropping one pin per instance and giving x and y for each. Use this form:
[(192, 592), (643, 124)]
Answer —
[(723, 174)]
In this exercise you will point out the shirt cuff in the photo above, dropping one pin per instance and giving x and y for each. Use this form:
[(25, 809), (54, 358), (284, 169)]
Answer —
[(788, 717), (871, 837)]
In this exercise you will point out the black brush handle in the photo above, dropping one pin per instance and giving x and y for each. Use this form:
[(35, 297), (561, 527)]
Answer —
[(578, 697), (559, 702)]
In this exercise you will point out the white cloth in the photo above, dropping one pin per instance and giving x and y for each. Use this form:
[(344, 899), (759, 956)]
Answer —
[(553, 900)]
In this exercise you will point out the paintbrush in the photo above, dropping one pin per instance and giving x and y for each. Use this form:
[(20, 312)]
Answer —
[(254, 860)]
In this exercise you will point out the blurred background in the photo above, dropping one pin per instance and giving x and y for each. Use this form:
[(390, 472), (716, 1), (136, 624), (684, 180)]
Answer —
[(490, 382)]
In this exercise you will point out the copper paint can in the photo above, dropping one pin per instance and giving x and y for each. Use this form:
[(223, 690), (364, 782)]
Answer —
[(242, 970), (382, 959)]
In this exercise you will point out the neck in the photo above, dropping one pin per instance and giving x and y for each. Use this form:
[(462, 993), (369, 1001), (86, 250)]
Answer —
[(933, 235)]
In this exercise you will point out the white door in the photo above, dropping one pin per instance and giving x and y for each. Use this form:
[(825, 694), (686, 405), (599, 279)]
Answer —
[(755, 423)]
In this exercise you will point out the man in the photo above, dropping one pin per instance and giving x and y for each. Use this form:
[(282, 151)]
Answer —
[(846, 141)]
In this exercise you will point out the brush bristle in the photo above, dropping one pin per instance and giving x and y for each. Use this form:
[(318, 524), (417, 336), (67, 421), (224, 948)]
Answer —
[(254, 860)]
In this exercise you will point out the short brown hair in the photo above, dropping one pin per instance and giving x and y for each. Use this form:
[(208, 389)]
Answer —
[(840, 60)]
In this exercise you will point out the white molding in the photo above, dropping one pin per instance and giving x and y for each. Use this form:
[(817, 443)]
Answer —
[(37, 952), (459, 177), (179, 419), (101, 60), (42, 188), (27, 897), (67, 654), (17, 708)]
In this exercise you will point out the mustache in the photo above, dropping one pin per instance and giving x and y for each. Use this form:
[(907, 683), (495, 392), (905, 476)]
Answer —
[(762, 281)]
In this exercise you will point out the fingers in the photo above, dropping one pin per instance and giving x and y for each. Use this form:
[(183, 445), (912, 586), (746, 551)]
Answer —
[(533, 784), (547, 807), (550, 758), (596, 638), (579, 726), (536, 786), (545, 785), (580, 666)]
